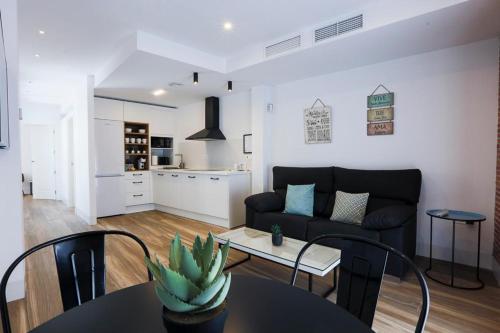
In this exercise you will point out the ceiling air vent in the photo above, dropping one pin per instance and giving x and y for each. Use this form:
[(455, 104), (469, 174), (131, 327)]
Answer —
[(338, 28), (283, 46)]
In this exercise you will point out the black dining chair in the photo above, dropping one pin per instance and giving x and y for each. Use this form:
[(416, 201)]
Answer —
[(81, 268), (362, 266)]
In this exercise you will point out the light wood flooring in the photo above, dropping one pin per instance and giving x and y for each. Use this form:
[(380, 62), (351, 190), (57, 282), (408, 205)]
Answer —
[(451, 310)]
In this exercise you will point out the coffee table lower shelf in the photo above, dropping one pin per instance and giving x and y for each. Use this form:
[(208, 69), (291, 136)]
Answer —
[(310, 275)]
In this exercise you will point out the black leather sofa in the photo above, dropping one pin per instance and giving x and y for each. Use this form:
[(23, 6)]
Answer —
[(390, 215)]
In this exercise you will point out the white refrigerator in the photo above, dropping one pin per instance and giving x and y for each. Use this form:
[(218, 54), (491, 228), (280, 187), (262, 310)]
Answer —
[(110, 168)]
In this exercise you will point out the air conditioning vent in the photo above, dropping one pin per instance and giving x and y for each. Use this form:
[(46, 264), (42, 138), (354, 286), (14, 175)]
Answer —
[(338, 28), (283, 46)]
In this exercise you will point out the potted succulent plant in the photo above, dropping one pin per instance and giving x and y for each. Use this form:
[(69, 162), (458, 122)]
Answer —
[(277, 235), (193, 287)]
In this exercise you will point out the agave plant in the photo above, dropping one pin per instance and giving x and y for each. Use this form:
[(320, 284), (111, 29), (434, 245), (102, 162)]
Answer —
[(194, 280)]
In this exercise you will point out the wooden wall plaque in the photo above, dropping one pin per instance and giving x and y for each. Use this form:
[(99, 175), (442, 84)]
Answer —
[(382, 114), (386, 128)]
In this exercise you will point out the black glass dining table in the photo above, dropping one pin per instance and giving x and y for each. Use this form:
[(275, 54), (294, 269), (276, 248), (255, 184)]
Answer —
[(254, 305)]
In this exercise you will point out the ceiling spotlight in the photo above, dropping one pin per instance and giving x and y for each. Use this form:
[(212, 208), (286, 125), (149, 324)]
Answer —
[(229, 85), (41, 32), (195, 78), (228, 26), (37, 55), (159, 92)]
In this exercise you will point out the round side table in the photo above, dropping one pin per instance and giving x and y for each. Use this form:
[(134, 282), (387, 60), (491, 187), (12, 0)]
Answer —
[(455, 216)]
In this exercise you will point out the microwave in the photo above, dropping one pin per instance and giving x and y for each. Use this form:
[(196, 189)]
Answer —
[(161, 142)]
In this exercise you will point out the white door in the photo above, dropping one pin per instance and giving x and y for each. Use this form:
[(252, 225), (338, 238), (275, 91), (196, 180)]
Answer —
[(109, 137), (43, 161)]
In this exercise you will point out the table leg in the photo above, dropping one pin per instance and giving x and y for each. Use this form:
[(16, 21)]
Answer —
[(430, 248), (453, 256), (310, 282), (478, 249)]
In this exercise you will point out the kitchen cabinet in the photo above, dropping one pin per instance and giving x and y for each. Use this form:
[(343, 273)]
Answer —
[(138, 188), (213, 197), (161, 119), (108, 109)]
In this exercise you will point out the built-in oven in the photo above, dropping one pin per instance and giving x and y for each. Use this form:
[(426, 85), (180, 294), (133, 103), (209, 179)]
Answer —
[(162, 150)]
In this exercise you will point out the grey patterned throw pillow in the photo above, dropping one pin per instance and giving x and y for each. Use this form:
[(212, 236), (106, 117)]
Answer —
[(349, 207)]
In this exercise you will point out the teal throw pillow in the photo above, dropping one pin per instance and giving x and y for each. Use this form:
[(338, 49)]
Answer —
[(299, 200)]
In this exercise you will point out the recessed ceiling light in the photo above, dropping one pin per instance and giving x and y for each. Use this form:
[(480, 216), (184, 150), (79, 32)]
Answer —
[(41, 32), (159, 92), (37, 55), (228, 26)]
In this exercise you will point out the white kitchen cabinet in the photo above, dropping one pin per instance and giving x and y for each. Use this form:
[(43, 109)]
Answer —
[(108, 109), (138, 188), (161, 119), (216, 198)]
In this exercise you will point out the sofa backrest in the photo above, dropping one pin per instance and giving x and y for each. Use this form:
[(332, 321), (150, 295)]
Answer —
[(322, 177), (386, 187)]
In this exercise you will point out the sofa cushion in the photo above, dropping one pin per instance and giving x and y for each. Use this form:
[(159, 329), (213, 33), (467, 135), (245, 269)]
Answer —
[(320, 226), (401, 185), (265, 202), (378, 203), (322, 178), (294, 226), (299, 200), (349, 207), (389, 217)]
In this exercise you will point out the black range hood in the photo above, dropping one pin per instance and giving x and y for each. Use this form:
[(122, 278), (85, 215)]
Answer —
[(211, 132)]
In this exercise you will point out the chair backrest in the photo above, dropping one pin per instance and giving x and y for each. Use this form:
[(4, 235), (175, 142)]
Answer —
[(362, 265), (80, 261)]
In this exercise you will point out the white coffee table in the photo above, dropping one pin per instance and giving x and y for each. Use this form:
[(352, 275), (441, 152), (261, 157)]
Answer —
[(318, 260)]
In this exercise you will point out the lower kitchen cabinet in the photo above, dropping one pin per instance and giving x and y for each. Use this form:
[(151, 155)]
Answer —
[(138, 188), (213, 198)]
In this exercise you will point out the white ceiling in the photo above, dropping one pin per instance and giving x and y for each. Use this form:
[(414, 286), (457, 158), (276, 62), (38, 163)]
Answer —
[(82, 36)]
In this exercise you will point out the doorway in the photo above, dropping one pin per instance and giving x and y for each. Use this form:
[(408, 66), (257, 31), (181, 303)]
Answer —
[(43, 165)]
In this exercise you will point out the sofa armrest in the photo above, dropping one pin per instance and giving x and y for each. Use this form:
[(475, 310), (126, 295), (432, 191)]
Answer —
[(265, 202), (389, 217)]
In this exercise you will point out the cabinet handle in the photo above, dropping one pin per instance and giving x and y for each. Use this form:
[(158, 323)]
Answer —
[(191, 177), (175, 176), (137, 182), (137, 174), (160, 174), (138, 195), (214, 178)]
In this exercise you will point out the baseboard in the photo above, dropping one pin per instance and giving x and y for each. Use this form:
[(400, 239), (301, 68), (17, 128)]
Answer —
[(139, 208), (15, 290), (86, 218)]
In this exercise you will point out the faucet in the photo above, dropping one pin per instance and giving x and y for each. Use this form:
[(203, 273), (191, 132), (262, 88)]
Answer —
[(181, 164)]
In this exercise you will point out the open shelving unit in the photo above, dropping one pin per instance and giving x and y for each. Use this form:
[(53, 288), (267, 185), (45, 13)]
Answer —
[(135, 147)]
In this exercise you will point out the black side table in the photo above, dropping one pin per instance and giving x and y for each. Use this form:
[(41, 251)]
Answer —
[(457, 216)]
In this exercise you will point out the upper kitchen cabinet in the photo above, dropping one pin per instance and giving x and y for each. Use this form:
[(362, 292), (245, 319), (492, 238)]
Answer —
[(161, 119), (108, 109)]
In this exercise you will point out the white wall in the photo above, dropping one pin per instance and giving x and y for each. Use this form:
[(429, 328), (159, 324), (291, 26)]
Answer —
[(11, 217), (235, 120), (445, 125), (85, 206)]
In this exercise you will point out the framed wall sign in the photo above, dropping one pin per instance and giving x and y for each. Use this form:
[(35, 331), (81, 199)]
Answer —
[(247, 143), (318, 123), (4, 90), (380, 113)]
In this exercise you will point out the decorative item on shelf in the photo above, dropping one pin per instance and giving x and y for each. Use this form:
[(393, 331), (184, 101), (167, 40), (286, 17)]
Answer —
[(127, 151), (144, 152), (318, 123), (193, 287), (142, 131), (127, 140), (133, 151), (380, 114), (128, 130), (247, 143), (277, 235), (144, 141), (132, 140)]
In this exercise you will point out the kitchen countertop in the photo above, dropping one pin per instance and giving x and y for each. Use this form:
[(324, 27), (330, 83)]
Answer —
[(204, 172)]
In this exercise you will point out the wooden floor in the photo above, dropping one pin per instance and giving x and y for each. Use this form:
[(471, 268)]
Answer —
[(451, 310)]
